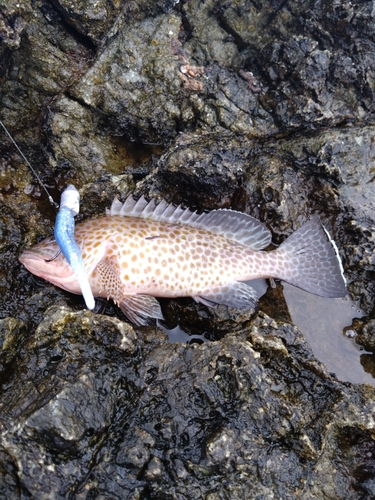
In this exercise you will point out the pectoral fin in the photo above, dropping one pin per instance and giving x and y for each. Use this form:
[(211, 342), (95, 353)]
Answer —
[(236, 294), (138, 308)]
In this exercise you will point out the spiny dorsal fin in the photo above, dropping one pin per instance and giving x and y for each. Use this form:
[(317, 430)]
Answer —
[(233, 225)]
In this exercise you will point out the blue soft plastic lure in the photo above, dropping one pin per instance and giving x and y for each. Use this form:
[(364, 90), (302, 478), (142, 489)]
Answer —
[(64, 236)]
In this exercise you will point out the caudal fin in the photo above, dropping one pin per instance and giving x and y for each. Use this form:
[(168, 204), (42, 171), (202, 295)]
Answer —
[(309, 259)]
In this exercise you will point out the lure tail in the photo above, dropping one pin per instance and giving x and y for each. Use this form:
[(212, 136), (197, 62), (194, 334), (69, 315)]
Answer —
[(309, 259)]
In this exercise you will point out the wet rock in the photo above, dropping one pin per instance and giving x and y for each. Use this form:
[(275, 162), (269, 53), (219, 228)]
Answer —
[(126, 80), (135, 451), (86, 157), (12, 333), (138, 87), (211, 322), (95, 19), (13, 19), (364, 332), (131, 413), (236, 105), (310, 74), (91, 19), (213, 37), (62, 427), (198, 172), (47, 62)]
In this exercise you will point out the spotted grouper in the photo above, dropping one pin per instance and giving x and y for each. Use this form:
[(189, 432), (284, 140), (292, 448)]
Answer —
[(141, 250)]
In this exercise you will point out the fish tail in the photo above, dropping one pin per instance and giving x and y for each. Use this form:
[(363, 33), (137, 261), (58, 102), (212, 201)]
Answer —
[(309, 259)]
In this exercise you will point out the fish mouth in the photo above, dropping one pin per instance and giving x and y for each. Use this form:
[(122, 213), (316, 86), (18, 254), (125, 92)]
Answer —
[(30, 256), (41, 264), (27, 258), (33, 263)]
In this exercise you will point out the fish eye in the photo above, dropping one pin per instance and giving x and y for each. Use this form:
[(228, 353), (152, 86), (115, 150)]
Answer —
[(54, 257)]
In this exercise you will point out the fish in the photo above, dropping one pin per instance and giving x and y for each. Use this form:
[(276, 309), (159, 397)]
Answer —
[(140, 250), (64, 237)]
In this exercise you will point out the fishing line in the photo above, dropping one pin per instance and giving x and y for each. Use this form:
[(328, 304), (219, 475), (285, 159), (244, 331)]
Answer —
[(64, 230), (51, 200)]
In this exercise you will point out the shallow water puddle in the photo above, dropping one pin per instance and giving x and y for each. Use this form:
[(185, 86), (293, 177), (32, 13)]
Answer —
[(322, 322), (177, 334)]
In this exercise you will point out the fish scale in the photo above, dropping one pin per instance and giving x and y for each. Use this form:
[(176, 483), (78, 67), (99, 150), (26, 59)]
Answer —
[(142, 250), (159, 259)]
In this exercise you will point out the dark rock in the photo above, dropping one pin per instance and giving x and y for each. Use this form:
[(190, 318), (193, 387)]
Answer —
[(12, 334), (125, 414), (364, 332), (201, 171), (90, 20), (211, 322), (47, 62)]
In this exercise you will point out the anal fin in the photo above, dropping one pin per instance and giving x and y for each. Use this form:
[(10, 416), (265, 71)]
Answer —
[(236, 294)]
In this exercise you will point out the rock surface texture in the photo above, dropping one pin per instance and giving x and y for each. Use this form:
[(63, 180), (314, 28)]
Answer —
[(264, 107)]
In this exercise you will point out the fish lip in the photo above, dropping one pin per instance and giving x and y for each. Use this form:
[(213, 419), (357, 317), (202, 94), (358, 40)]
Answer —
[(30, 259), (32, 255), (27, 255)]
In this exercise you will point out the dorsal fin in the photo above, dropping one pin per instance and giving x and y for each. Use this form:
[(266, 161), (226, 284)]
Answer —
[(233, 225)]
